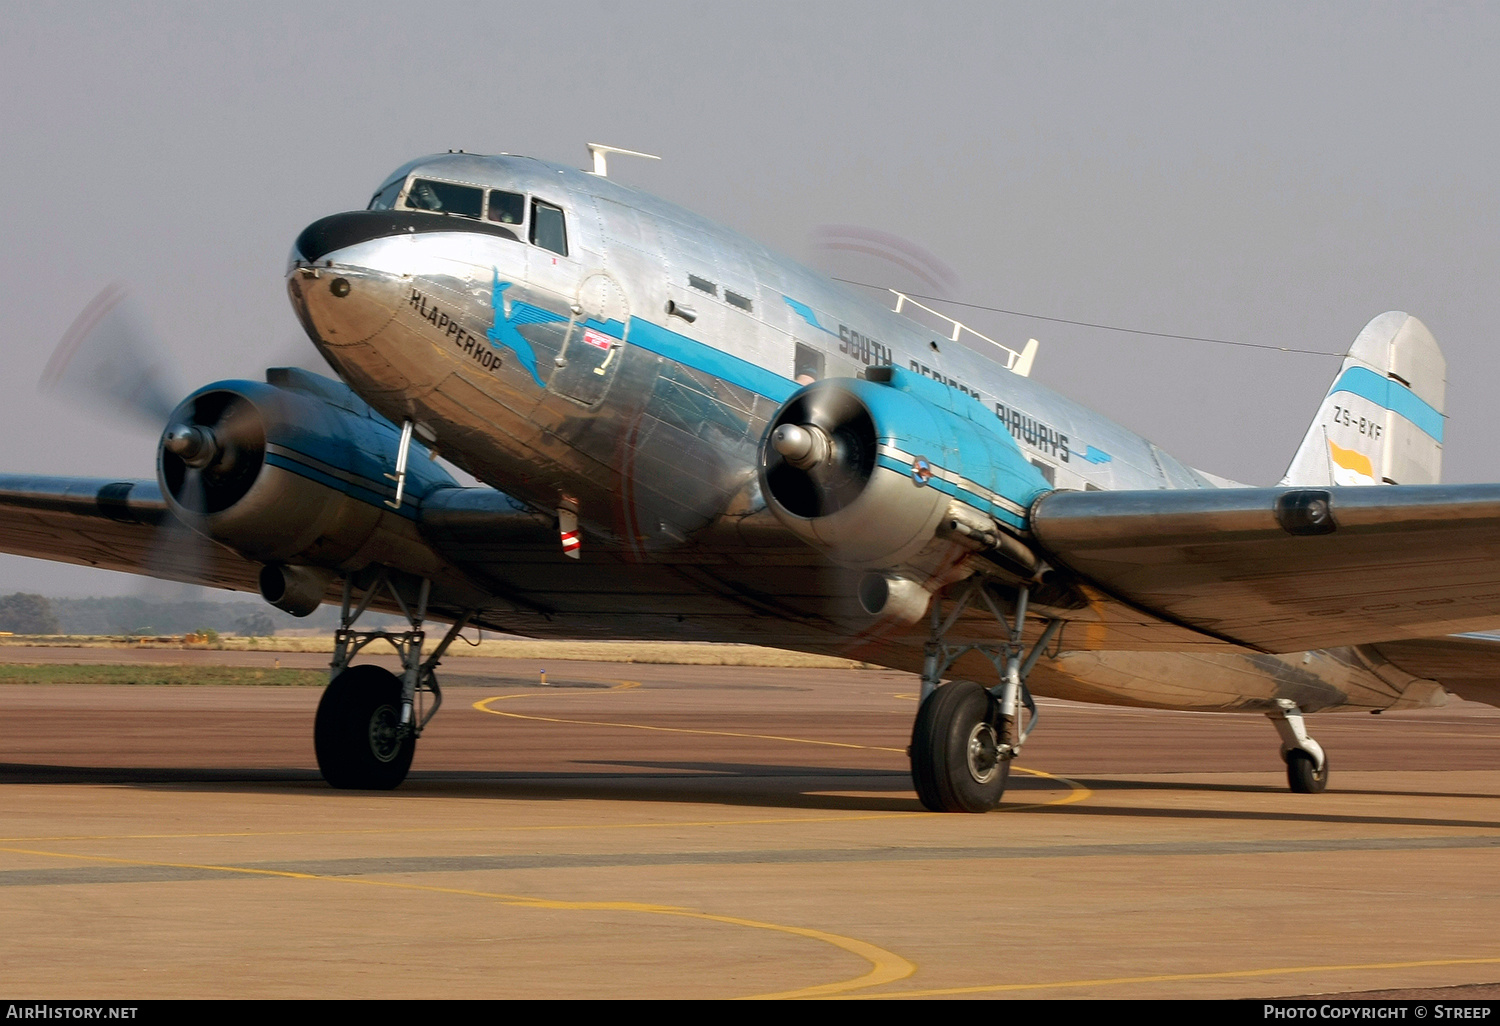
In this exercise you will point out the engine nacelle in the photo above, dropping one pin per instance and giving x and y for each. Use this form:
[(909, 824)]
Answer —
[(294, 472), (872, 471)]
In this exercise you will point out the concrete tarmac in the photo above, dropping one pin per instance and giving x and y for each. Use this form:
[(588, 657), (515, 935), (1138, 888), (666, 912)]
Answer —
[(665, 831)]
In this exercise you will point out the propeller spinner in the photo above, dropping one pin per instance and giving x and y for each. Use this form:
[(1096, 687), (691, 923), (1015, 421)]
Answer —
[(820, 452), (212, 451)]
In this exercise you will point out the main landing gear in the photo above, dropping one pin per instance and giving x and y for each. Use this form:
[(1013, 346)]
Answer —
[(1306, 763), (965, 735), (369, 719)]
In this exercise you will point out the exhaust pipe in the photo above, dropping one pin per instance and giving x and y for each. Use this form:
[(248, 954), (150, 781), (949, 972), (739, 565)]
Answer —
[(894, 598), (294, 589)]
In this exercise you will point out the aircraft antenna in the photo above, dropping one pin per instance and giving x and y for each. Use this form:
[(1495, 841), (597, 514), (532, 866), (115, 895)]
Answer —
[(600, 152), (1017, 362)]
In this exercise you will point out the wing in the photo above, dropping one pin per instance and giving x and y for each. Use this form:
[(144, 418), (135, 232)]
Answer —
[(1468, 666), (113, 525), (1287, 570)]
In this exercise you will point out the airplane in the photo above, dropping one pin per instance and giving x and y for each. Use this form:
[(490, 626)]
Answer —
[(680, 434)]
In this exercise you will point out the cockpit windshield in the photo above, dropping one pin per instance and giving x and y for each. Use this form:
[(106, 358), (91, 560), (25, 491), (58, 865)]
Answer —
[(385, 199), (543, 224), (445, 198)]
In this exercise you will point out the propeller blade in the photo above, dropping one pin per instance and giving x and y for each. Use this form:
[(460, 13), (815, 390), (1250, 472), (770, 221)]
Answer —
[(878, 257), (240, 426), (111, 358), (178, 552)]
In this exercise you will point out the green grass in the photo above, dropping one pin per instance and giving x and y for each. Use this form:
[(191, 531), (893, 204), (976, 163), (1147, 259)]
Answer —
[(60, 673)]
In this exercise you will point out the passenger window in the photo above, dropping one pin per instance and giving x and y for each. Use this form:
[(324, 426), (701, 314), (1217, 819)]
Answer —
[(808, 365), (385, 199), (445, 198), (506, 207), (547, 228)]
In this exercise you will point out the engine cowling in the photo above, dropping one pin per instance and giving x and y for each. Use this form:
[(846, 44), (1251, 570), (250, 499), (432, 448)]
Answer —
[(293, 473), (871, 472)]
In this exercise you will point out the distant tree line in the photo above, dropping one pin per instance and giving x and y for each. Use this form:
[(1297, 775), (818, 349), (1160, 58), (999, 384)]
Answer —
[(28, 614)]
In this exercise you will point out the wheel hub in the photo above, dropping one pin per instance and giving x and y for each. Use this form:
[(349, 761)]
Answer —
[(983, 753), (385, 733)]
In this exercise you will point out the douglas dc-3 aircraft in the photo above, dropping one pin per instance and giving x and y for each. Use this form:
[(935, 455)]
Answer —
[(683, 435)]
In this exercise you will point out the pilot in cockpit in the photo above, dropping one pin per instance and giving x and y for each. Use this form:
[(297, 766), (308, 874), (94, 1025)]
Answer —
[(423, 197)]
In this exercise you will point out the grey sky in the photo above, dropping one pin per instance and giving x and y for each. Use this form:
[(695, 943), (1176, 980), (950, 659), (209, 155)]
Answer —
[(1276, 173)]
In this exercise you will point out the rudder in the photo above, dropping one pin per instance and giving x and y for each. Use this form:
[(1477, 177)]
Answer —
[(1382, 420)]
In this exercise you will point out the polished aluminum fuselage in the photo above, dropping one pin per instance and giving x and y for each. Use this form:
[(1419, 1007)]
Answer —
[(631, 379)]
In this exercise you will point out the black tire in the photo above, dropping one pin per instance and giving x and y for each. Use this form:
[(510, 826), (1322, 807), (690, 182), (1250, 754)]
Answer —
[(954, 761), (1301, 777), (355, 733)]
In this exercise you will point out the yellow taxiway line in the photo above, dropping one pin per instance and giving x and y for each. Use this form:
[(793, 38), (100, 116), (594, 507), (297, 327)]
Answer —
[(1231, 974), (1077, 791), (885, 966)]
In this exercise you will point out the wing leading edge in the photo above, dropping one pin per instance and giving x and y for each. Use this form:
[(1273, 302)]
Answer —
[(1289, 569)]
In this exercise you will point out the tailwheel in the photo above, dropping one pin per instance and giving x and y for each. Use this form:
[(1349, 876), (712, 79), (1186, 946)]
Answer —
[(358, 735), (956, 758), (1303, 775), (1306, 762)]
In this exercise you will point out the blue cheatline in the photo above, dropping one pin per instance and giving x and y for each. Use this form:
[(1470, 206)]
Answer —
[(1391, 395), (724, 366), (1096, 455), (648, 336)]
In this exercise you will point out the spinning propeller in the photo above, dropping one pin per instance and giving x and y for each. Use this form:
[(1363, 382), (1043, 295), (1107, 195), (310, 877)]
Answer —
[(111, 360)]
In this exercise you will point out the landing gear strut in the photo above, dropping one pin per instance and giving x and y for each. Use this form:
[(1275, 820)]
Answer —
[(965, 736), (1306, 763), (369, 719)]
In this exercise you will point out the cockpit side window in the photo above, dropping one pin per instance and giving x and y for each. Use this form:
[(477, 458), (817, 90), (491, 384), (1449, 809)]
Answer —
[(445, 198), (506, 207), (385, 199), (547, 227)]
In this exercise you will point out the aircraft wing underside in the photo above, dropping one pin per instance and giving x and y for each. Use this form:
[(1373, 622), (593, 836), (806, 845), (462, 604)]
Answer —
[(1288, 570), (1162, 570), (1468, 666), (744, 580)]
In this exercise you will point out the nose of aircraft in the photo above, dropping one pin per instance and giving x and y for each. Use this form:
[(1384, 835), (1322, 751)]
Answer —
[(340, 231)]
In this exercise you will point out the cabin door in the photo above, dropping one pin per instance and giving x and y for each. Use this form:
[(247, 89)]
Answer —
[(591, 355)]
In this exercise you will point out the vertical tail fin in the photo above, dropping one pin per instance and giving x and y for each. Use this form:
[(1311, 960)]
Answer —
[(1382, 420)]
